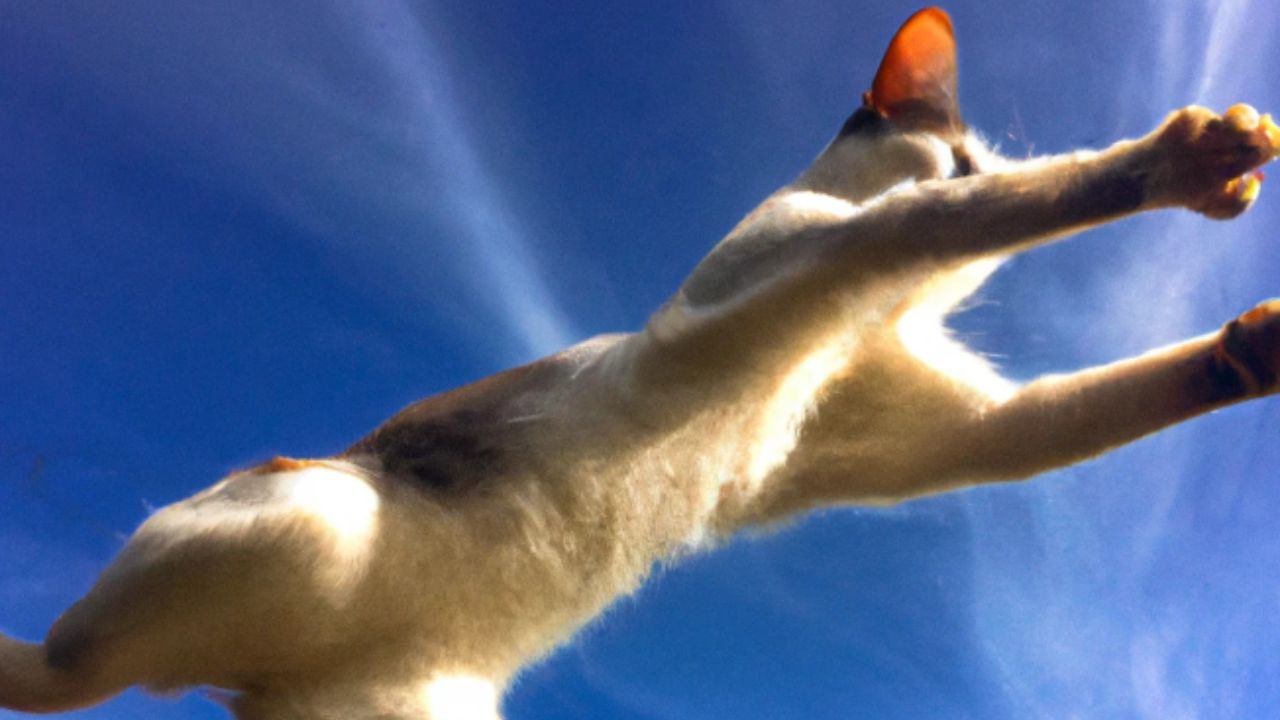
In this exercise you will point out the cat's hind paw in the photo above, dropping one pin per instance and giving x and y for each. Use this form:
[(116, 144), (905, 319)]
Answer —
[(1210, 161), (1249, 348)]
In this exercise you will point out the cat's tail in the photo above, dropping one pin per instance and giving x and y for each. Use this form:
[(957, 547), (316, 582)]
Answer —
[(29, 683)]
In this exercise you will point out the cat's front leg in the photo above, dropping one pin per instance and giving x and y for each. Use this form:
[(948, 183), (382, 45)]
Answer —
[(1205, 162), (766, 279), (1059, 420), (1196, 159), (1248, 348)]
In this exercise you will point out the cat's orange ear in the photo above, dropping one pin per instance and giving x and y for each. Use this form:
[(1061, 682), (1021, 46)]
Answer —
[(916, 83)]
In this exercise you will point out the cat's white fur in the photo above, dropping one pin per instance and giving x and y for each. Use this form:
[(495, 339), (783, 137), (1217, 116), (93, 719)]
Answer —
[(804, 363)]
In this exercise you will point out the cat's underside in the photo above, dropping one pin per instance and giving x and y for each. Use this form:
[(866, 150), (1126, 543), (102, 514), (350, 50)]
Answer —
[(802, 364)]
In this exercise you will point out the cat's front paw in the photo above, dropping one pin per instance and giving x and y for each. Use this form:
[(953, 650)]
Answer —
[(1249, 348), (1209, 162)]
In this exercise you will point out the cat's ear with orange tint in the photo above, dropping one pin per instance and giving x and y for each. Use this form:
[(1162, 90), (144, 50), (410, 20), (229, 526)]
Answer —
[(915, 86)]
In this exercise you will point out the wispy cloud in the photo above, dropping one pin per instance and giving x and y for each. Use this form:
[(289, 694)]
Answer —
[(507, 279), (1099, 630), (351, 126), (1224, 59)]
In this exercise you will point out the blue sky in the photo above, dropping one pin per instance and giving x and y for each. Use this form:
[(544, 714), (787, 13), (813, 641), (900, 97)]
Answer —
[(234, 229)]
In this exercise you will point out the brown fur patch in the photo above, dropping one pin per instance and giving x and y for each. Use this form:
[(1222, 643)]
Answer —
[(455, 440), (68, 651), (1235, 353), (282, 464), (1226, 378)]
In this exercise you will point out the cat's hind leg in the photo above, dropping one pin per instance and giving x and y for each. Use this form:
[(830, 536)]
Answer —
[(257, 577), (30, 683)]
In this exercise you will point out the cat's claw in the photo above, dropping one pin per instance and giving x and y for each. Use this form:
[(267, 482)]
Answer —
[(1209, 162), (1250, 347)]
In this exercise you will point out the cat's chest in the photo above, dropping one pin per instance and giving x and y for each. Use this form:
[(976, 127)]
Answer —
[(771, 432)]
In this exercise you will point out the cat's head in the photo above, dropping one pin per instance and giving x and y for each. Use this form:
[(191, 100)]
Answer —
[(909, 125)]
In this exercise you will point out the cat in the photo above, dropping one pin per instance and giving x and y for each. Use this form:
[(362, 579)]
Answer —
[(804, 363)]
